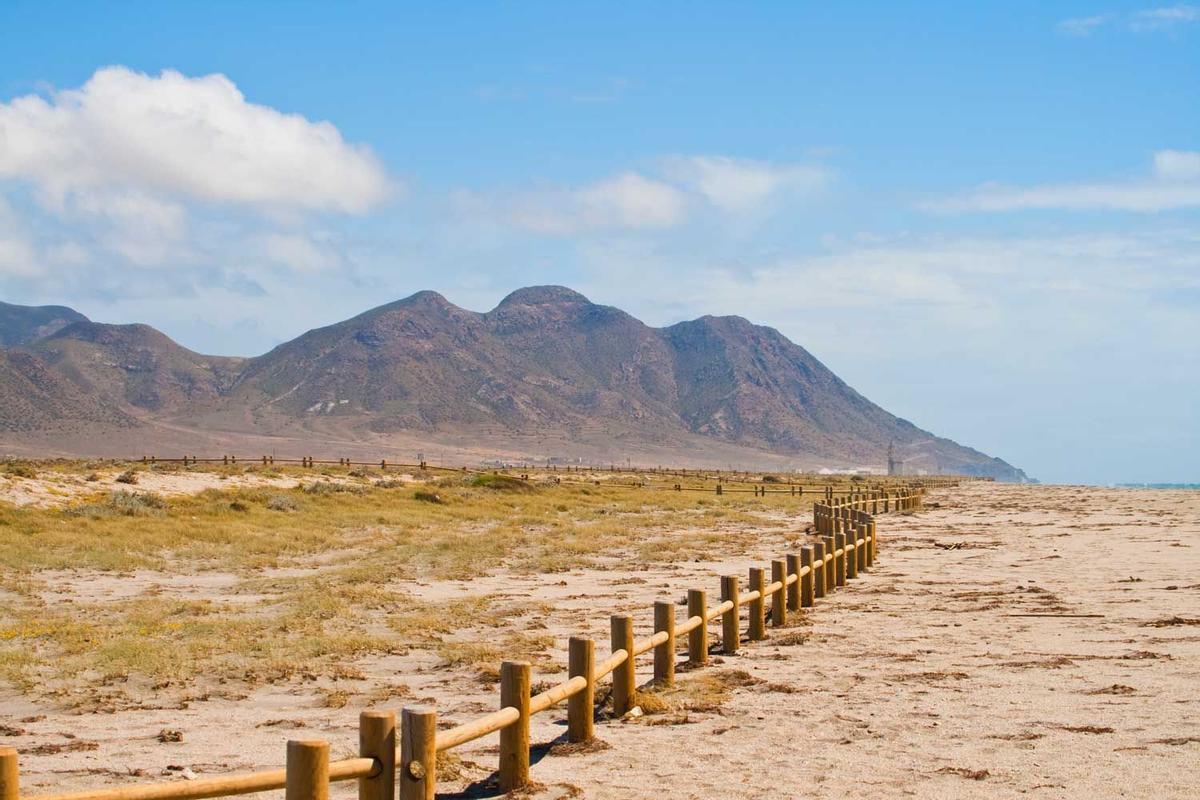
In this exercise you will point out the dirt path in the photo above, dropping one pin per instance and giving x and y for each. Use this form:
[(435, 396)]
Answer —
[(922, 679)]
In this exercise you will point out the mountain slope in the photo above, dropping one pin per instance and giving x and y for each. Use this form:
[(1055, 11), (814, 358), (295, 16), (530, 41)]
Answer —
[(547, 359), (23, 324), (35, 397), (546, 372), (135, 367)]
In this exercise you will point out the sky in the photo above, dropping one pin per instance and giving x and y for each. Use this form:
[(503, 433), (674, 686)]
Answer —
[(983, 216)]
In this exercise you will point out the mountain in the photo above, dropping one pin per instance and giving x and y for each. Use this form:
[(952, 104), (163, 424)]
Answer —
[(545, 373), (23, 324), (135, 367), (35, 397)]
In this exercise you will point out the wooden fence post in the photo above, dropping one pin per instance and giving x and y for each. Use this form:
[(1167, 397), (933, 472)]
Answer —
[(729, 620), (860, 553), (581, 657), (851, 548), (514, 740), (830, 570), (793, 591), (307, 770), (697, 606), (624, 687), (664, 654), (874, 542), (806, 583), (758, 583), (9, 774), (779, 602), (377, 740), (818, 569), (418, 754), (839, 562)]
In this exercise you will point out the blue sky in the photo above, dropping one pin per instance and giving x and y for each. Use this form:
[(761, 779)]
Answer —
[(986, 217)]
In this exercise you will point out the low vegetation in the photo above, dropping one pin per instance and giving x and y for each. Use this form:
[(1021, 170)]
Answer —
[(117, 589)]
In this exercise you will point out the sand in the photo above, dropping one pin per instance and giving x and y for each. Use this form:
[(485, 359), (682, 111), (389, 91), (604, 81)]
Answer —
[(1011, 641)]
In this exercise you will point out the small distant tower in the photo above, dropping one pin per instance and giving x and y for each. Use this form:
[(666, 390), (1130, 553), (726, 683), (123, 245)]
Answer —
[(894, 466)]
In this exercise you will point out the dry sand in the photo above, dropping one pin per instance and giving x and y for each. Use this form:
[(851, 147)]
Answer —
[(1012, 641), (52, 489)]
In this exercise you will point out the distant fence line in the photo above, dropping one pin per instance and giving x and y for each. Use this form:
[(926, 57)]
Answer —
[(825, 484), (846, 544)]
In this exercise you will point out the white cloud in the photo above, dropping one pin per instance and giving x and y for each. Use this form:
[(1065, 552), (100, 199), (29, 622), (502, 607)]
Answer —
[(628, 200), (1174, 184), (931, 294), (195, 139), (736, 184), (1146, 21), (1085, 26), (300, 251), (1166, 17), (631, 200), (1177, 165), (18, 257)]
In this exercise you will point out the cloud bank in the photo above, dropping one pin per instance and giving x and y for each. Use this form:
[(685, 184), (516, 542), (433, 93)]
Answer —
[(171, 170), (189, 138), (674, 191), (1173, 184)]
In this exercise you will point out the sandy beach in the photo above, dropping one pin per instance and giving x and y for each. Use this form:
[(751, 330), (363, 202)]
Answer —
[(1011, 641)]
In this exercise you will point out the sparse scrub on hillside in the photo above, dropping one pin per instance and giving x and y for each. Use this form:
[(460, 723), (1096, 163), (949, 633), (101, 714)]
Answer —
[(129, 476)]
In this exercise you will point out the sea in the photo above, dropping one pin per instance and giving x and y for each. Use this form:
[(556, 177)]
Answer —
[(1159, 485)]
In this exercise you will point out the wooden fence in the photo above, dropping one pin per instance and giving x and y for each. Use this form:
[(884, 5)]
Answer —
[(846, 544), (724, 481)]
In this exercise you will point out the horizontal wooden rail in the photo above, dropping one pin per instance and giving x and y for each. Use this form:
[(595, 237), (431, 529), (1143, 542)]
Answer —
[(476, 729), (717, 611), (609, 664), (650, 642), (556, 694), (224, 786)]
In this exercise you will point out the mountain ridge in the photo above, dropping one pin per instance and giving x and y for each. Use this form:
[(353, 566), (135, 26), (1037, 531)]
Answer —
[(545, 363)]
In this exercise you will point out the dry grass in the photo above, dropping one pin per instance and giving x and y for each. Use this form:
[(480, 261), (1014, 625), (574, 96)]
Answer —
[(702, 693), (315, 575)]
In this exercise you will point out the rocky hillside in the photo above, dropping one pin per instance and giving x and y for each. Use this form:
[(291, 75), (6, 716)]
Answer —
[(135, 367), (23, 324), (545, 360), (35, 397)]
